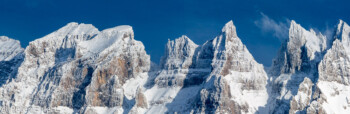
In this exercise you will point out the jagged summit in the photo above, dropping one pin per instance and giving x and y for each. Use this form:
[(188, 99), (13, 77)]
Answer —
[(302, 47), (293, 23), (340, 25), (178, 53), (9, 48), (230, 28), (183, 39), (294, 27), (342, 31)]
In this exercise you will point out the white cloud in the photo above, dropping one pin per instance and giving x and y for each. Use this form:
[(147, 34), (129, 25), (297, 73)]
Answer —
[(279, 29), (328, 32)]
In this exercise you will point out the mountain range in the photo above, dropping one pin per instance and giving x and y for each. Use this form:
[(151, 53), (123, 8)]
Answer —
[(80, 69)]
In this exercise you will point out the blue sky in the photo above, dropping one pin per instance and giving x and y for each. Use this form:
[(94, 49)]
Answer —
[(260, 23)]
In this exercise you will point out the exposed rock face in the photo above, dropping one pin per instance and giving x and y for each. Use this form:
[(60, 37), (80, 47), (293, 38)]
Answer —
[(176, 63), (179, 54), (303, 98)]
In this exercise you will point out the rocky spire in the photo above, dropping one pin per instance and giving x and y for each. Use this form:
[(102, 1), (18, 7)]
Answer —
[(234, 70), (230, 29), (343, 33), (301, 48), (179, 53)]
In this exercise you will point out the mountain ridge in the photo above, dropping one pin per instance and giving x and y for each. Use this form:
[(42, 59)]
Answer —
[(79, 69)]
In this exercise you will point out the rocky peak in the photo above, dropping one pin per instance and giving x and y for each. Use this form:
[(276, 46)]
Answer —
[(297, 59), (321, 60), (313, 42), (230, 28), (343, 33), (302, 50), (176, 63), (234, 71), (294, 24), (178, 53), (230, 52), (117, 45), (296, 33), (60, 46), (9, 48), (66, 37), (340, 28)]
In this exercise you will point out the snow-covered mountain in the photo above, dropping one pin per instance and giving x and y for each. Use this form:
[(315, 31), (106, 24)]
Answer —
[(80, 69), (310, 73)]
